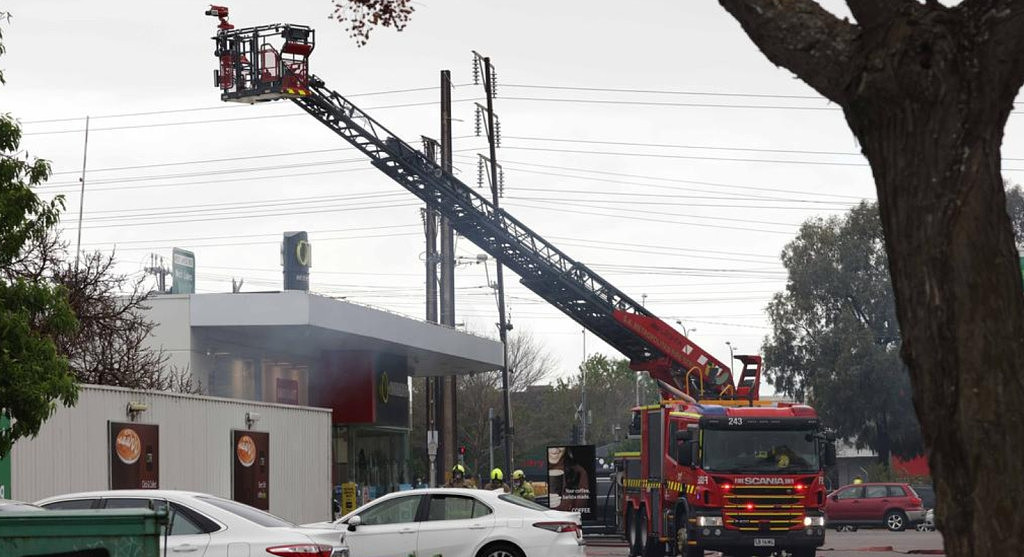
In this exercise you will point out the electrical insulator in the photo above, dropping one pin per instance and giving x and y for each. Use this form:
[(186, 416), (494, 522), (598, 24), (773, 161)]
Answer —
[(494, 82), (476, 71), (497, 132), (480, 172), (477, 124), (501, 182)]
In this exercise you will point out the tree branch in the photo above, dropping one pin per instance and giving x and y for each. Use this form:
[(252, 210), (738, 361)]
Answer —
[(804, 38), (999, 24), (874, 12)]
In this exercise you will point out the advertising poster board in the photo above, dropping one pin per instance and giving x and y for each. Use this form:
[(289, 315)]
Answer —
[(250, 478), (134, 456), (348, 497), (572, 483)]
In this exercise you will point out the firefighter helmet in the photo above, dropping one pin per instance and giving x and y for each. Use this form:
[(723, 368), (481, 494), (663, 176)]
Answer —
[(496, 474)]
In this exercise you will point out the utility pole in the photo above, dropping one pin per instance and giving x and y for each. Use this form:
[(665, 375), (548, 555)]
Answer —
[(447, 384), (503, 326), (430, 148)]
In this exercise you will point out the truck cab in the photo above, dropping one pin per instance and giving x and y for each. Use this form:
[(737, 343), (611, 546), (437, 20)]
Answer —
[(739, 479)]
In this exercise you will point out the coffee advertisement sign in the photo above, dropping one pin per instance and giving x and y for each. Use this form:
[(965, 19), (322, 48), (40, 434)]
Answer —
[(250, 481), (134, 456), (572, 482)]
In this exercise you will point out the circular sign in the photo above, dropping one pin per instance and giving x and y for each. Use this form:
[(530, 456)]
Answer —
[(383, 388), (246, 451), (303, 253), (128, 446)]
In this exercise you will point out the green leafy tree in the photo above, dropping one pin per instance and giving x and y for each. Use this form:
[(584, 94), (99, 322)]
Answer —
[(612, 389), (835, 339), (33, 376)]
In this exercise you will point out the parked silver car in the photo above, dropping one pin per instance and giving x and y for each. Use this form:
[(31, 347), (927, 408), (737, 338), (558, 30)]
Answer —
[(204, 525)]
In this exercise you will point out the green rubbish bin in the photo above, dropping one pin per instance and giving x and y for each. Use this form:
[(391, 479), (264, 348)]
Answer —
[(82, 533)]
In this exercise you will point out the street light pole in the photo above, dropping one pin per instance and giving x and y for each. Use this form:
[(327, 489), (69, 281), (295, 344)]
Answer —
[(583, 392)]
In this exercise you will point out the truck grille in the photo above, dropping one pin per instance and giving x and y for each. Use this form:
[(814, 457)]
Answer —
[(763, 508)]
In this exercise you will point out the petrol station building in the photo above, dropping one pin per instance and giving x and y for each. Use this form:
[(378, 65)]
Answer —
[(296, 348)]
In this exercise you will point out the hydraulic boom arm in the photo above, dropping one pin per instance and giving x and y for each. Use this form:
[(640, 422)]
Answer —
[(252, 70)]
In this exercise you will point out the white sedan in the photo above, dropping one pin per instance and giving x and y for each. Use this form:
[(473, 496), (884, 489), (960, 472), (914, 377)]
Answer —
[(456, 522), (204, 525)]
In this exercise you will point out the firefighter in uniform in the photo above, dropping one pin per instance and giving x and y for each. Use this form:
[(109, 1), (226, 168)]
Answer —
[(497, 481), (521, 487), (458, 478)]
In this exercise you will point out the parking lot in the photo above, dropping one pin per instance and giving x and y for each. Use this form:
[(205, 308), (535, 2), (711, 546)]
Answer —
[(862, 543)]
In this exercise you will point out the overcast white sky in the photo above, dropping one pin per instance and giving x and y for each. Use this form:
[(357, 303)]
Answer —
[(651, 141)]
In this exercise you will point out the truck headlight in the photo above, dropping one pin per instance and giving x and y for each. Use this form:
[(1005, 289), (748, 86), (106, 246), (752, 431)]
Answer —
[(703, 521), (814, 521)]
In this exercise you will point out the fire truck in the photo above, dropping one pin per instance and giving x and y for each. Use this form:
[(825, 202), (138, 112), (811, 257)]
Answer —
[(702, 477), (741, 476)]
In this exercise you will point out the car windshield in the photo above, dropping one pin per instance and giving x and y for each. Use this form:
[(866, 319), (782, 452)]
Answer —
[(523, 502), (760, 452), (251, 514)]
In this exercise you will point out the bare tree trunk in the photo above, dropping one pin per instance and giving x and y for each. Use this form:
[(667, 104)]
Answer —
[(927, 91)]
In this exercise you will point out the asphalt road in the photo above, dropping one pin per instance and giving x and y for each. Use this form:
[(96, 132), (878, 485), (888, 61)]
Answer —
[(862, 543)]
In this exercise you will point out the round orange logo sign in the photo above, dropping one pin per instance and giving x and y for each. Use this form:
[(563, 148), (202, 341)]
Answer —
[(246, 451), (128, 446)]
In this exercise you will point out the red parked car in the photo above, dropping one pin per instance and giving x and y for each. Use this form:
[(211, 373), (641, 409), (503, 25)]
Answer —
[(895, 506)]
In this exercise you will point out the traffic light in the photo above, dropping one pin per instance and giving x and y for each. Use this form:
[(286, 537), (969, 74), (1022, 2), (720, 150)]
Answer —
[(497, 430), (462, 450)]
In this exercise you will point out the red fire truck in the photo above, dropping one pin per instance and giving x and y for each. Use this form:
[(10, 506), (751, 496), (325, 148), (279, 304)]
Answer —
[(741, 476)]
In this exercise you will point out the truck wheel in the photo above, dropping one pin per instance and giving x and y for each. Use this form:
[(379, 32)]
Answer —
[(630, 531), (654, 547), (641, 532), (682, 537), (895, 521)]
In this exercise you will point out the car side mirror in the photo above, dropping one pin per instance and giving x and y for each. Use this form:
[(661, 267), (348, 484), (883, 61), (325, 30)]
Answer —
[(353, 522)]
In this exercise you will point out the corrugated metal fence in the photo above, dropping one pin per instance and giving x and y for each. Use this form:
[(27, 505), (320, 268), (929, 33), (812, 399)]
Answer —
[(196, 452)]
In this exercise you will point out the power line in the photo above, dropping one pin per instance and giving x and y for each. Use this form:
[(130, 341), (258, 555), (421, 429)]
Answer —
[(661, 179), (664, 92), (678, 146), (685, 157)]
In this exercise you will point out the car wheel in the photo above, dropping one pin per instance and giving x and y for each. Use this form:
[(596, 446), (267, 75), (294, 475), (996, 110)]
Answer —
[(895, 521), (500, 550)]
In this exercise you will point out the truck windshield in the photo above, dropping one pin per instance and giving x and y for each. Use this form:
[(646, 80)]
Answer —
[(761, 451)]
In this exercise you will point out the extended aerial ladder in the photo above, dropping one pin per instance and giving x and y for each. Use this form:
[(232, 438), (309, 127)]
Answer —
[(270, 62)]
